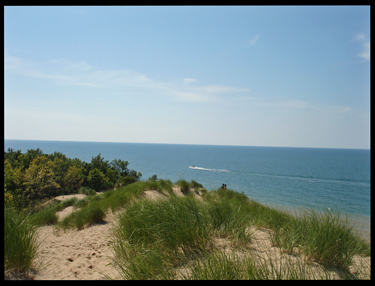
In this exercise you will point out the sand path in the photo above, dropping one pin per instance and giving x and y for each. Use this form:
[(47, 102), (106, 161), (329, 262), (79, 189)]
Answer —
[(81, 254), (77, 254)]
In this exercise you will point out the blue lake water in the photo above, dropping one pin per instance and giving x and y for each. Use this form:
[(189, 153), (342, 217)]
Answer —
[(291, 178)]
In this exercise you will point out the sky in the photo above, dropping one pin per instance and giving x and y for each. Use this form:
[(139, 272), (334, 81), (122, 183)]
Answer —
[(290, 76)]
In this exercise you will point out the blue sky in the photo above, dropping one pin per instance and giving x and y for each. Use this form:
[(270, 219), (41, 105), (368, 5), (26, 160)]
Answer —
[(221, 75)]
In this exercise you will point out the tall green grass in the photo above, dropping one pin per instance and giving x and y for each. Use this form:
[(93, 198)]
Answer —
[(47, 215), (89, 214), (176, 222), (153, 237), (227, 219), (21, 246), (221, 265), (174, 238), (172, 230), (326, 237), (87, 191)]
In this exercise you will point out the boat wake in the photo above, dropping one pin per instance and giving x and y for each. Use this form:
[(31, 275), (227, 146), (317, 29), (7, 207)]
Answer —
[(206, 169), (289, 177)]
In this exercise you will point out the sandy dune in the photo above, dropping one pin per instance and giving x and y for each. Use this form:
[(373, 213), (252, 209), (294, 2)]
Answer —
[(84, 254), (77, 254)]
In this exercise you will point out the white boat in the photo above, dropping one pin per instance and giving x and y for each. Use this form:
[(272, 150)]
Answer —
[(192, 167)]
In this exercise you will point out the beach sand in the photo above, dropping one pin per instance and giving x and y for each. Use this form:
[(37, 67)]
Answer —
[(76, 254), (85, 254)]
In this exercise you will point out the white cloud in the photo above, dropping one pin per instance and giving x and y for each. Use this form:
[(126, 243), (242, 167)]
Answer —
[(253, 41), (64, 72), (220, 89), (299, 104), (192, 96), (365, 42), (190, 80)]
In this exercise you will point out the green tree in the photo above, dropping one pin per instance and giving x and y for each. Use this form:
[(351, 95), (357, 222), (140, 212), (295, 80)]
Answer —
[(99, 163), (13, 157), (40, 179), (121, 167), (153, 178), (97, 180), (73, 179), (29, 156), (14, 191)]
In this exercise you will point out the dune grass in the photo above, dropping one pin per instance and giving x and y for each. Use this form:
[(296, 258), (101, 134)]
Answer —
[(156, 239), (21, 246), (326, 237), (89, 214), (177, 237)]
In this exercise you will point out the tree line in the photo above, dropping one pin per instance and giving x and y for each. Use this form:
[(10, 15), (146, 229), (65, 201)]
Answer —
[(33, 176)]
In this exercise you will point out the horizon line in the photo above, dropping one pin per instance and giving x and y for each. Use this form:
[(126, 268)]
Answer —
[(229, 145)]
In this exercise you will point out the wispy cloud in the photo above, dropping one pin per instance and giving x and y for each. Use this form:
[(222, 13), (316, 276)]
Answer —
[(190, 80), (253, 41), (64, 72), (220, 89), (300, 104), (365, 42)]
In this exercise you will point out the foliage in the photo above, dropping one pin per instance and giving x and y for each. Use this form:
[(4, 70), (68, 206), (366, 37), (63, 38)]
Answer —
[(73, 179), (177, 237), (13, 186), (97, 179), (153, 178), (33, 176), (40, 179)]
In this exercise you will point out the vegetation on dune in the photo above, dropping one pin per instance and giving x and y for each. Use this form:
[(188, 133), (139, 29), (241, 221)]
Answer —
[(21, 246), (34, 176), (167, 239), (173, 238)]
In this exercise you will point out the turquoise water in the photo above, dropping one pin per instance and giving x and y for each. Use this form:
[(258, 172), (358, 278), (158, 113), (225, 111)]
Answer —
[(292, 178)]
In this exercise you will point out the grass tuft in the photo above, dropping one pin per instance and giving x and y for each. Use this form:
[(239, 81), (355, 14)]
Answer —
[(21, 246)]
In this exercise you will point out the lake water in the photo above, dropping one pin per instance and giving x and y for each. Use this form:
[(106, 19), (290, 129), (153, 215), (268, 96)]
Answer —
[(291, 178)]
